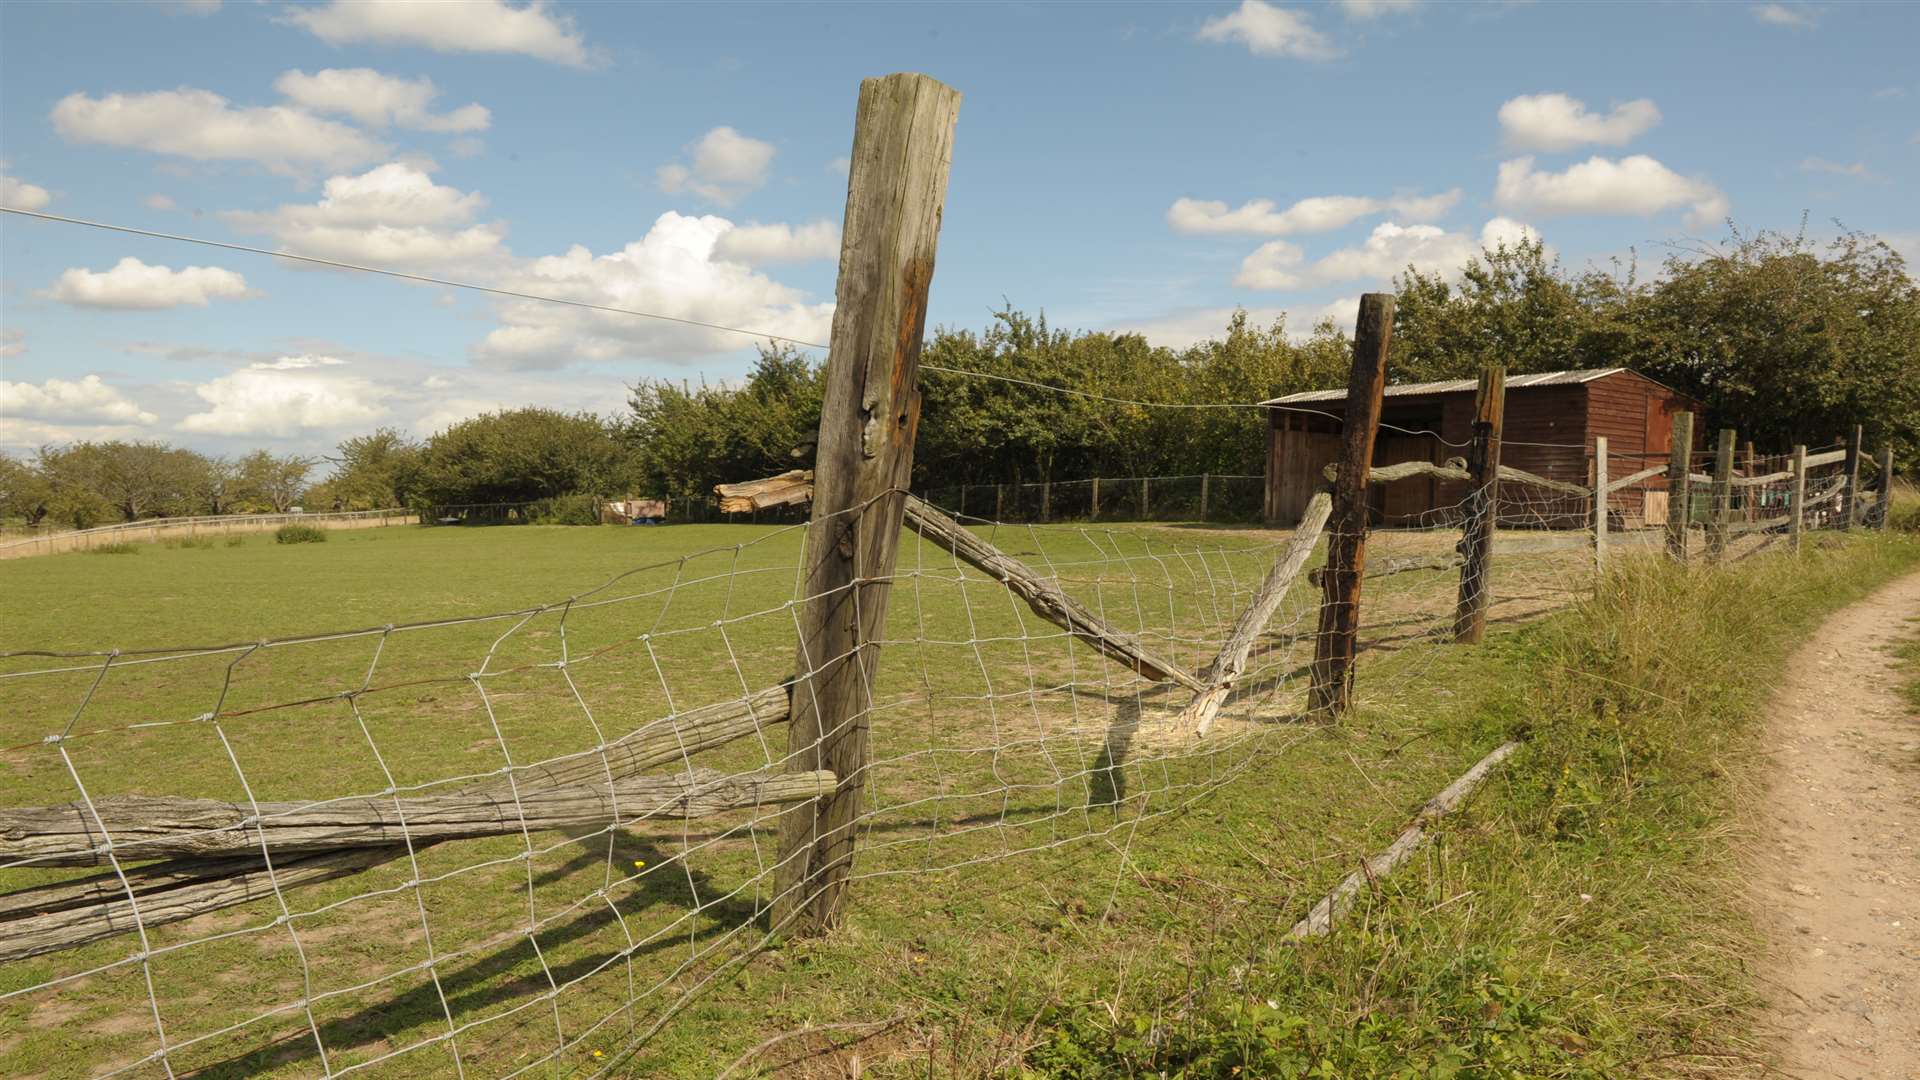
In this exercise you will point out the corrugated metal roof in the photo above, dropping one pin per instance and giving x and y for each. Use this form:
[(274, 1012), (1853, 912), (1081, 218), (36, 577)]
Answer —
[(1454, 386)]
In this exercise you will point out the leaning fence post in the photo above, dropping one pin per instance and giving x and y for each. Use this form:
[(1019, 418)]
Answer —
[(1483, 508), (1885, 506), (1721, 513), (1206, 481), (1680, 485), (1333, 649), (870, 413), (1850, 494), (1797, 512), (1599, 505)]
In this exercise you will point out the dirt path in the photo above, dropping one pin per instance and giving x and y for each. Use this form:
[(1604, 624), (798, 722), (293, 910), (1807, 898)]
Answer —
[(1840, 850)]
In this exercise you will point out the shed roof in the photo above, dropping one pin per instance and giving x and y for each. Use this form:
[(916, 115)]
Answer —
[(1455, 386)]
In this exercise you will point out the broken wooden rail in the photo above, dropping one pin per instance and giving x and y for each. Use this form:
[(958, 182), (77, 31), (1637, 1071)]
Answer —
[(70, 913), (1041, 594), (1410, 470)]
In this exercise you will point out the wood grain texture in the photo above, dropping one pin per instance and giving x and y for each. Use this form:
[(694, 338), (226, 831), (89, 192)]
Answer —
[(870, 414), (1339, 628), (1680, 486), (1483, 500), (1722, 509)]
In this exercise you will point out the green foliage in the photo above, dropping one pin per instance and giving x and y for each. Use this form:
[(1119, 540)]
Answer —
[(92, 484), (236, 541), (372, 472), (269, 481), (516, 456), (564, 510), (299, 534), (113, 549), (24, 491), (686, 439)]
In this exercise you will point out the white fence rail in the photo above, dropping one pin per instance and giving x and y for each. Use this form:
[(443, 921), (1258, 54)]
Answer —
[(154, 530)]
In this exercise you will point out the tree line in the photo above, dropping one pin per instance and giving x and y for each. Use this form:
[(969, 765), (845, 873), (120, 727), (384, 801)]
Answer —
[(1786, 340)]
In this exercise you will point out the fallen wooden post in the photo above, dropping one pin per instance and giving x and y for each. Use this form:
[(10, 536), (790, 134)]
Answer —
[(1405, 564), (795, 486), (1521, 476), (1633, 478), (1404, 470), (1319, 921), (1231, 662), (153, 827)]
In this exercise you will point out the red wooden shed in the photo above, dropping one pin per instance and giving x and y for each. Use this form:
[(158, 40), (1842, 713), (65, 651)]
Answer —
[(1552, 418)]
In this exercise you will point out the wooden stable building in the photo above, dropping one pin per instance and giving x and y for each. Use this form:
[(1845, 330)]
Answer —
[(1551, 420)]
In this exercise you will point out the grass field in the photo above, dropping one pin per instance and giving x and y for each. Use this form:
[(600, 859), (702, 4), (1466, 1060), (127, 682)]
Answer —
[(1013, 871)]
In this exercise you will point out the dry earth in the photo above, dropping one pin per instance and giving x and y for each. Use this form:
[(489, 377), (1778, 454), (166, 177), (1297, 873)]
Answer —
[(1840, 850)]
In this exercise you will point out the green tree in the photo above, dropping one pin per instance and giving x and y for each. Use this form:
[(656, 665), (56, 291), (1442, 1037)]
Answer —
[(24, 491), (371, 472), (518, 456), (273, 481)]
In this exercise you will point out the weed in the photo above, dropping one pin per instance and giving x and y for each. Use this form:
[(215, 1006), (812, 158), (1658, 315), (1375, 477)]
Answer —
[(299, 534), (113, 549)]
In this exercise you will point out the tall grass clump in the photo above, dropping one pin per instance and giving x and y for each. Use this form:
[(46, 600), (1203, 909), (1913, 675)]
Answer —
[(113, 549), (299, 534)]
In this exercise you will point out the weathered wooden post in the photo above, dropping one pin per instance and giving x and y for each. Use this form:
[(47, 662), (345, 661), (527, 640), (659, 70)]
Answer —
[(1206, 481), (1720, 515), (1483, 508), (1680, 485), (1096, 498), (870, 413), (1850, 494), (1143, 498), (1750, 497), (1797, 511), (1333, 650), (1884, 509), (1599, 505), (999, 502)]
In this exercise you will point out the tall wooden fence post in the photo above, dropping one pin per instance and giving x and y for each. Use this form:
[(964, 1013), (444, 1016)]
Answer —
[(1599, 505), (1143, 498), (1884, 509), (1333, 650), (1206, 481), (1680, 485), (1046, 500), (1721, 513), (1850, 495), (1483, 508), (1797, 511), (1750, 497), (999, 502), (1096, 498), (870, 413)]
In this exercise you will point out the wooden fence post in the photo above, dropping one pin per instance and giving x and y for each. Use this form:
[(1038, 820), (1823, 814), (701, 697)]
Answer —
[(1599, 505), (1884, 509), (1750, 497), (1333, 649), (1797, 512), (1680, 485), (870, 413), (1720, 515), (1483, 508), (1143, 498), (1096, 498), (1850, 494), (1206, 481), (1046, 500)]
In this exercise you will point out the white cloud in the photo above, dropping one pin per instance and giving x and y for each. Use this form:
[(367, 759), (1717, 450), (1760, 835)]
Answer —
[(200, 124), (13, 341), (1321, 213), (1387, 251), (1783, 15), (1179, 329), (1270, 31), (726, 165), (192, 7), (392, 215), (1374, 9), (1636, 186), (378, 100), (674, 270), (756, 244), (21, 195), (281, 397), (477, 26), (158, 201), (132, 285), (1856, 169), (1559, 122), (88, 401)]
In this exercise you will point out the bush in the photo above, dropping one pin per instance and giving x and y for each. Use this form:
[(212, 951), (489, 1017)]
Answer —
[(299, 534), (564, 510), (114, 549)]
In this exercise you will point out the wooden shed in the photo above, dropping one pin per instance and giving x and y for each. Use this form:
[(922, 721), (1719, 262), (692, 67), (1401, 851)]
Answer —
[(1551, 420)]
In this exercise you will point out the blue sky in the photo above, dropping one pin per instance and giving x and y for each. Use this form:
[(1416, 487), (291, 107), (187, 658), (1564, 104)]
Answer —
[(1130, 166)]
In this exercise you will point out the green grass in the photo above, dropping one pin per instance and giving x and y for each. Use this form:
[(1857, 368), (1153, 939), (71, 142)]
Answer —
[(1142, 934)]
